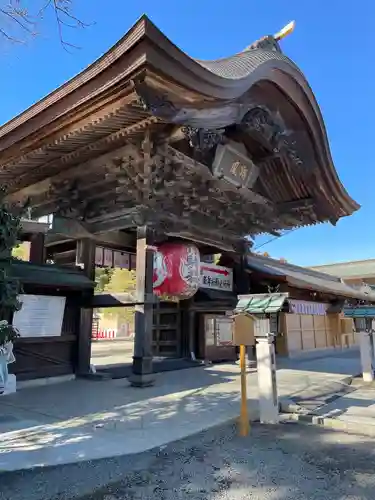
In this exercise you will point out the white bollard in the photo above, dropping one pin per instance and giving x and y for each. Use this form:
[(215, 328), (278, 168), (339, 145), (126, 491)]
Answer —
[(365, 345), (267, 386)]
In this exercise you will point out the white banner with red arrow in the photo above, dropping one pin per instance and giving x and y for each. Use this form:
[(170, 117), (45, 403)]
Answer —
[(216, 277)]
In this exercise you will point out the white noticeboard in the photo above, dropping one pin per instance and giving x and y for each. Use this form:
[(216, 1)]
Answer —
[(40, 316), (216, 277)]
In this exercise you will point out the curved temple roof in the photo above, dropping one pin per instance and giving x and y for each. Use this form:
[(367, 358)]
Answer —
[(176, 89)]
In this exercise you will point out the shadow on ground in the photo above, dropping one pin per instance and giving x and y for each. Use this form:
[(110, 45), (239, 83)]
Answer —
[(279, 462), (96, 422)]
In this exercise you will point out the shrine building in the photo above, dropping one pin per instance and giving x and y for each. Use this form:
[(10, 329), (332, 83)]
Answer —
[(148, 146)]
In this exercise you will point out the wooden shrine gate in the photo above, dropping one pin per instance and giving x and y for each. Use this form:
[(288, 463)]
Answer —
[(148, 145)]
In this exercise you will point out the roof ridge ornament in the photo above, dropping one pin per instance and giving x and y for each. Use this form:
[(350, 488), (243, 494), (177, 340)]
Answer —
[(287, 30), (271, 42)]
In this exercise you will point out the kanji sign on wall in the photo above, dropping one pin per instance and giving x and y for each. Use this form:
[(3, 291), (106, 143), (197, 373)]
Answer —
[(216, 277)]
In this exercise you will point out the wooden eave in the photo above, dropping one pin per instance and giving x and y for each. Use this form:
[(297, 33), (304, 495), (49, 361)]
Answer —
[(98, 111)]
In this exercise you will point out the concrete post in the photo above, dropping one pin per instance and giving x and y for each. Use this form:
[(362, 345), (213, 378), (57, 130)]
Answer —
[(366, 349), (268, 400)]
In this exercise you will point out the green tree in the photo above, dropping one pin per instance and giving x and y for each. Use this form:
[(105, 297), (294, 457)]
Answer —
[(10, 227), (21, 251), (122, 281), (116, 281), (217, 257), (102, 278)]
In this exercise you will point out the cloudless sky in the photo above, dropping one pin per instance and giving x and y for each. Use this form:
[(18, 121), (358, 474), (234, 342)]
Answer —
[(333, 44)]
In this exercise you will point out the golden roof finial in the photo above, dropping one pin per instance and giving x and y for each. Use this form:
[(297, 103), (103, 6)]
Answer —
[(287, 30)]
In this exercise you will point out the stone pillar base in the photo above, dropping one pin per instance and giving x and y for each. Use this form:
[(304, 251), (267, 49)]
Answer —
[(141, 381), (142, 375)]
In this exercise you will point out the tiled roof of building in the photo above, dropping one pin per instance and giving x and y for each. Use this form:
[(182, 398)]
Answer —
[(346, 270), (307, 279)]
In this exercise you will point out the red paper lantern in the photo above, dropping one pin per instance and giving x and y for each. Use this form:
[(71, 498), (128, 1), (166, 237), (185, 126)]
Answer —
[(176, 270)]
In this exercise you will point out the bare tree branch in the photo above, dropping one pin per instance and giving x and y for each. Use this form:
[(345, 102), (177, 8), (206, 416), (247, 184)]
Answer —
[(18, 22)]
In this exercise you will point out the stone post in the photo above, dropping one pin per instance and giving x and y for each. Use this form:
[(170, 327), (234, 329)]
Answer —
[(267, 387)]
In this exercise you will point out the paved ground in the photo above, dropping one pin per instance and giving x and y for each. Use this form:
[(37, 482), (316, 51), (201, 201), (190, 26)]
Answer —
[(285, 462), (355, 406), (86, 420), (111, 352)]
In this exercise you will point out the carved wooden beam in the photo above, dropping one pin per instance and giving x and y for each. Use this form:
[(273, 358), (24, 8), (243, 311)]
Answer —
[(66, 175), (221, 240), (192, 164), (147, 170), (269, 129), (121, 184), (152, 100), (58, 167), (127, 219), (70, 227), (33, 227), (290, 206), (64, 228), (201, 139), (67, 257)]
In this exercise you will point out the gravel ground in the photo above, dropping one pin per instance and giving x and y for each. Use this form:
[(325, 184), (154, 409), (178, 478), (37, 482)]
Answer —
[(283, 462)]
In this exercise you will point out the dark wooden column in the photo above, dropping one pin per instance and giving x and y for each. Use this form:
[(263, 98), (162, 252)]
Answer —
[(142, 373), (192, 333), (242, 277), (37, 251), (85, 258)]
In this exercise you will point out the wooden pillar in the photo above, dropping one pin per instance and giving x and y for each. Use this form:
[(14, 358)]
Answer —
[(85, 258), (184, 327), (192, 334), (37, 251), (142, 373), (242, 277)]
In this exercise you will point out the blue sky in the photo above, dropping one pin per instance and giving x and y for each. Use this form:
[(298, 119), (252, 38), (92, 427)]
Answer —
[(333, 44)]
